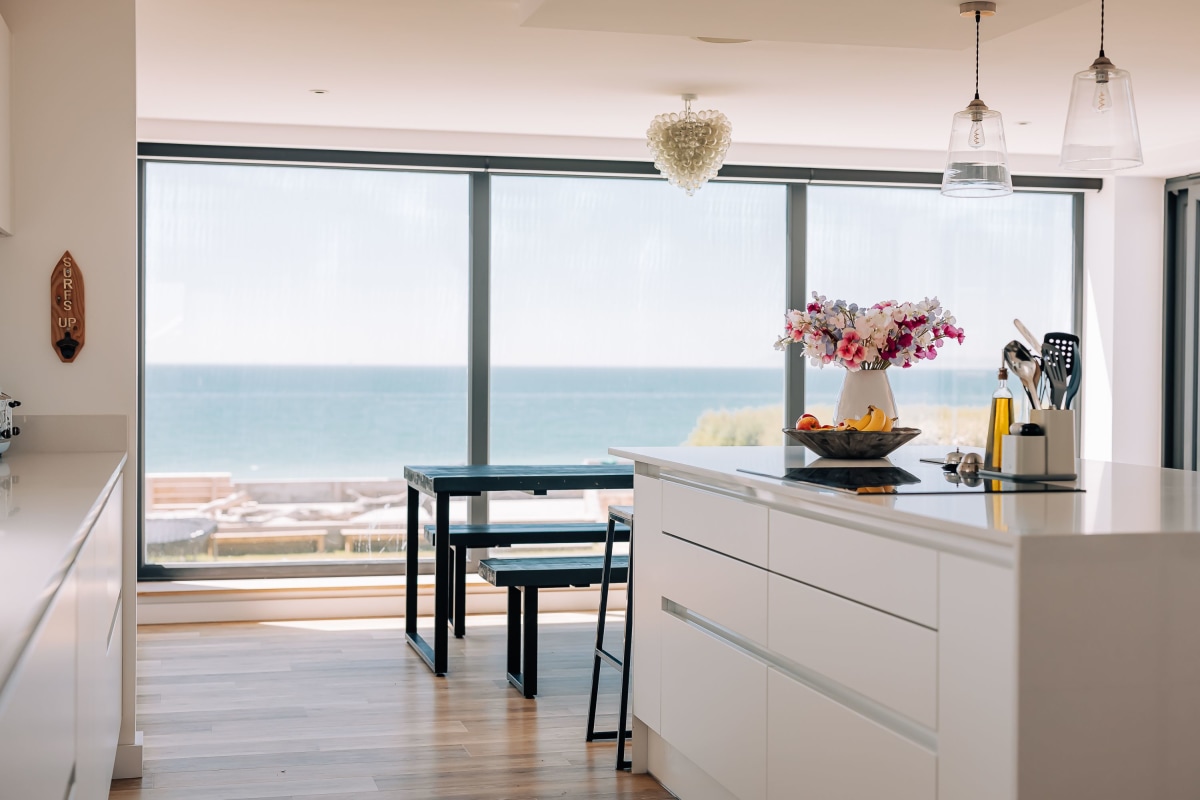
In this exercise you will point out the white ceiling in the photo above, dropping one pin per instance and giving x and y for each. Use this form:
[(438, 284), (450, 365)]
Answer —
[(879, 23), (604, 68)]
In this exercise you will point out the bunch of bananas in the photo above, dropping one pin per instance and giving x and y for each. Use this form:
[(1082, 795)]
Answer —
[(873, 420)]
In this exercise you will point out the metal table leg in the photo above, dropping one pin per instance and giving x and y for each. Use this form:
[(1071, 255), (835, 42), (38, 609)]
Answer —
[(436, 657)]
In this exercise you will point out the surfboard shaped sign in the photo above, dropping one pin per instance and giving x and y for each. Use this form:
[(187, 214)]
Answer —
[(66, 308)]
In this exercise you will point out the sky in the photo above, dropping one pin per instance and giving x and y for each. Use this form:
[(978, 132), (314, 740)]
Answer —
[(305, 265)]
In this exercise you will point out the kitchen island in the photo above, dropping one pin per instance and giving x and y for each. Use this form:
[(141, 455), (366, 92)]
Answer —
[(793, 641)]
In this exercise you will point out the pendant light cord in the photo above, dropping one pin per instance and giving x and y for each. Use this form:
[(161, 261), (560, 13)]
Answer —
[(1102, 28), (977, 46)]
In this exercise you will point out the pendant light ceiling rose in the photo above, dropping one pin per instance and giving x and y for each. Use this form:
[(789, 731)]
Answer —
[(985, 9)]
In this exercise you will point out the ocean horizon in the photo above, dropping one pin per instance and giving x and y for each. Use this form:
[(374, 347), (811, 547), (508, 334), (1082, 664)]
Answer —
[(312, 422)]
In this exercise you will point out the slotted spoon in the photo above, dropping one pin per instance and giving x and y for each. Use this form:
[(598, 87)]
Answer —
[(1067, 345), (1055, 372)]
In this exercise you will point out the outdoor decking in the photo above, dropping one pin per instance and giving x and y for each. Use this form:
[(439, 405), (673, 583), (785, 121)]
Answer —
[(325, 520)]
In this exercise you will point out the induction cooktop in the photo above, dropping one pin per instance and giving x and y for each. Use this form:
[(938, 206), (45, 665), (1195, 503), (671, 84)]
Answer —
[(885, 477)]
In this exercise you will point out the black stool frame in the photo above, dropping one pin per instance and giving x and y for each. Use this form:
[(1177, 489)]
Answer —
[(617, 514)]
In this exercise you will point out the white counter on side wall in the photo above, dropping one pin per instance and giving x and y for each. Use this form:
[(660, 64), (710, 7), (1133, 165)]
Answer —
[(791, 641), (62, 653), (51, 506)]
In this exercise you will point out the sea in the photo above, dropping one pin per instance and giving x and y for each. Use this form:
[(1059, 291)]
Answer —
[(322, 422)]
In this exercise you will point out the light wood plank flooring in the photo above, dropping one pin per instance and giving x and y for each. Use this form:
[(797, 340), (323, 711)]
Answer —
[(345, 710)]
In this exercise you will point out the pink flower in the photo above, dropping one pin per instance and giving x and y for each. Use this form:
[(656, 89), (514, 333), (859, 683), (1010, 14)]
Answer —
[(797, 334), (850, 350)]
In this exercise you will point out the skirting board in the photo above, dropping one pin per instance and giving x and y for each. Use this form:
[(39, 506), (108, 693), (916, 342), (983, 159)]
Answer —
[(129, 759), (679, 774), (158, 607)]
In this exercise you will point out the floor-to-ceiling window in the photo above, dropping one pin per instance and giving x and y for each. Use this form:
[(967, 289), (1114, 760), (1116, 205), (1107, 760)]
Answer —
[(626, 312), (304, 338), (988, 261), (308, 330)]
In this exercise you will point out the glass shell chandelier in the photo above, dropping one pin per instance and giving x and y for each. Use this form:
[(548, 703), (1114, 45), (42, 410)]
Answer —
[(977, 163), (1102, 129), (689, 148)]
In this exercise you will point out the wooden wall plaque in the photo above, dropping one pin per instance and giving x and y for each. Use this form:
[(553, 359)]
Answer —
[(66, 308)]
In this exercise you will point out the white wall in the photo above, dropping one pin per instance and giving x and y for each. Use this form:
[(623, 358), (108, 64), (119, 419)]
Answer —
[(74, 188), (494, 144), (1123, 307), (5, 137)]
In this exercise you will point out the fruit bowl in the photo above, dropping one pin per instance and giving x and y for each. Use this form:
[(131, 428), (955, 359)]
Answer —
[(853, 444)]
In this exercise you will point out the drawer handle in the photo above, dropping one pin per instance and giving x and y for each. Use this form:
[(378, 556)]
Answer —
[(112, 626)]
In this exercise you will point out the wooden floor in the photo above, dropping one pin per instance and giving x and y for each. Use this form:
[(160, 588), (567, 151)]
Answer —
[(341, 710)]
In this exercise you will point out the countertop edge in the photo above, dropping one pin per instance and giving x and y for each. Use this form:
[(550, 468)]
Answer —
[(998, 548), (33, 622)]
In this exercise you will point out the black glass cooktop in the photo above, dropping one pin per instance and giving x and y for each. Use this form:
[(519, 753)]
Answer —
[(914, 477)]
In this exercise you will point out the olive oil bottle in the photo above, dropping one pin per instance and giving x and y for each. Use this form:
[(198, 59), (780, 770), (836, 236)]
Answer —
[(999, 421)]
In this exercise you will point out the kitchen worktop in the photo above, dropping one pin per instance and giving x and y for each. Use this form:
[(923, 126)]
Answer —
[(1117, 498), (52, 503)]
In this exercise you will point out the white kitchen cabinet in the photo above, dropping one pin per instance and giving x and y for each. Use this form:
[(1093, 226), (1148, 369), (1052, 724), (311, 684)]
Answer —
[(725, 524), (887, 659), (37, 708), (714, 707), (818, 748), (98, 652), (895, 577), (726, 591), (61, 680)]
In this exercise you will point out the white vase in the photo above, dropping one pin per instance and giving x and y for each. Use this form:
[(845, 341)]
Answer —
[(863, 388)]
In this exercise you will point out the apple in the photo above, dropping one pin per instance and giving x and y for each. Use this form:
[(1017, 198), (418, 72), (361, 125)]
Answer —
[(807, 422)]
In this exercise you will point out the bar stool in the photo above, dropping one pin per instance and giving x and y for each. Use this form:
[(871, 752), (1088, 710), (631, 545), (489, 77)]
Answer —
[(616, 515)]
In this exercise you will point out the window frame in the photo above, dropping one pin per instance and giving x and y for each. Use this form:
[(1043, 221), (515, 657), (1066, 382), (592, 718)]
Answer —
[(480, 169)]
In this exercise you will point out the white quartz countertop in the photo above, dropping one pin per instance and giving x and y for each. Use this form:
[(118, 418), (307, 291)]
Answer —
[(1118, 498), (48, 503)]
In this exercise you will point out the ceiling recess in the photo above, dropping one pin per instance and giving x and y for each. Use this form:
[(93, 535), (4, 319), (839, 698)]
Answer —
[(912, 24)]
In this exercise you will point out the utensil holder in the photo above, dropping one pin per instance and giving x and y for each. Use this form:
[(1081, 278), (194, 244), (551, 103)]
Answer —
[(1024, 455), (1059, 427)]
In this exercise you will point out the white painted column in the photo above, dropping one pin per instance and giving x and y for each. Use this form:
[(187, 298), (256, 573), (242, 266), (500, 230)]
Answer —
[(1123, 317), (73, 122)]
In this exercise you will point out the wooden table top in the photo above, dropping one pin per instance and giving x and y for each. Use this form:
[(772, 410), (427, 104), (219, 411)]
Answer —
[(537, 478)]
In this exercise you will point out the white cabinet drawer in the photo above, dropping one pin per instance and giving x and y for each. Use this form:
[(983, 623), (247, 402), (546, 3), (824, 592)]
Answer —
[(897, 577), (817, 748), (725, 524), (37, 709), (714, 708), (731, 593), (888, 659)]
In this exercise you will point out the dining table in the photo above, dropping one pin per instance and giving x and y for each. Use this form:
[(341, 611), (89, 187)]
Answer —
[(446, 482)]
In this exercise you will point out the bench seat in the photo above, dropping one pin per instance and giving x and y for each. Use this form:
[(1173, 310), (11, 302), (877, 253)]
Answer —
[(552, 571), (524, 576), (267, 536), (507, 534)]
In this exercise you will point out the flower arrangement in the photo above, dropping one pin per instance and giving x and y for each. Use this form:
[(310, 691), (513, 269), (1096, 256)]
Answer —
[(876, 337)]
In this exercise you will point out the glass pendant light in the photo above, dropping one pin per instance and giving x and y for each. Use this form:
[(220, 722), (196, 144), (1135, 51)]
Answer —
[(977, 165), (1102, 129)]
